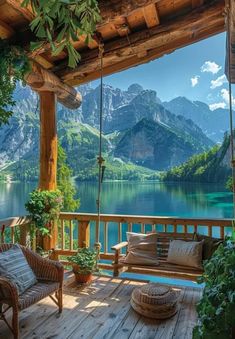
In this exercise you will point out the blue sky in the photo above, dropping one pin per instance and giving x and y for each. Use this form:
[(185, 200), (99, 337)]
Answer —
[(196, 72)]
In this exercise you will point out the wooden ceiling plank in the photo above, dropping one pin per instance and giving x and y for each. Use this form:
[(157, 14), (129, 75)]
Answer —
[(151, 55), (121, 25), (197, 3), (43, 62), (27, 13), (6, 31), (151, 15), (149, 39)]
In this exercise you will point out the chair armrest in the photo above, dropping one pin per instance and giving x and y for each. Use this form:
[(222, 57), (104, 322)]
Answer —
[(43, 268), (119, 246), (8, 292)]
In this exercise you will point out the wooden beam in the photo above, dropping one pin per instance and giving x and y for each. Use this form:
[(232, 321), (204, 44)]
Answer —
[(42, 80), (114, 8), (197, 3), (6, 31), (27, 13), (208, 19), (151, 15), (230, 42)]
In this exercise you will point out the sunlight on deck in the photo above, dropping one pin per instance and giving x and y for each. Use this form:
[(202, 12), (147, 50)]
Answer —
[(102, 310)]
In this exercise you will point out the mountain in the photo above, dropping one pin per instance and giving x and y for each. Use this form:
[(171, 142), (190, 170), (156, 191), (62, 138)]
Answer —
[(155, 145), (125, 113), (210, 166), (213, 123)]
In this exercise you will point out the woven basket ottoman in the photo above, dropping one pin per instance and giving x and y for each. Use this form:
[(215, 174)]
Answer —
[(155, 301)]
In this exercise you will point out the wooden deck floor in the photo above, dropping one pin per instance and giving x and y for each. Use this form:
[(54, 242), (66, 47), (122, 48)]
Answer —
[(102, 310)]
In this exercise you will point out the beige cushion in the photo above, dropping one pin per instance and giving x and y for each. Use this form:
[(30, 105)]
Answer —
[(142, 249), (185, 253)]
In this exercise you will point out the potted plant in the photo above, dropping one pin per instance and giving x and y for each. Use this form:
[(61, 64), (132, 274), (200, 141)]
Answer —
[(83, 263), (216, 309), (44, 209)]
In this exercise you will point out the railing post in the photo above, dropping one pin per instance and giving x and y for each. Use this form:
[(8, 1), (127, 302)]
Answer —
[(84, 234), (23, 234)]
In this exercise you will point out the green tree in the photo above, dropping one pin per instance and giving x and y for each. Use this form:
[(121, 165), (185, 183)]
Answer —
[(65, 185)]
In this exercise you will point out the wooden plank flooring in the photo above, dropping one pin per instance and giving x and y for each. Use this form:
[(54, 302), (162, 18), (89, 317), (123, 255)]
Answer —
[(102, 310)]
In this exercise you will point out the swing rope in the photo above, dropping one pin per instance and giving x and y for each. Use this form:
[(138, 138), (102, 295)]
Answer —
[(230, 101), (100, 159)]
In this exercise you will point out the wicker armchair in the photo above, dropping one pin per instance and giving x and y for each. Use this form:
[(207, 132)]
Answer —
[(50, 280)]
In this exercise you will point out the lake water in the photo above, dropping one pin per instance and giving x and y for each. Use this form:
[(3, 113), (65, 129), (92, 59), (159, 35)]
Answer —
[(137, 198)]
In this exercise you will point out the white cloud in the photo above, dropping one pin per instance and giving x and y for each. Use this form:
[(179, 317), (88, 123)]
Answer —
[(195, 80), (225, 95), (210, 67), (217, 105), (218, 82)]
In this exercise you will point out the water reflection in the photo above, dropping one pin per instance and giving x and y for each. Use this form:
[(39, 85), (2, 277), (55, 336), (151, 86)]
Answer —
[(150, 198)]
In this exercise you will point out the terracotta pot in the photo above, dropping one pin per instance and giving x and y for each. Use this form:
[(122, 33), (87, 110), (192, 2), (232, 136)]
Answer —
[(83, 278), (80, 277)]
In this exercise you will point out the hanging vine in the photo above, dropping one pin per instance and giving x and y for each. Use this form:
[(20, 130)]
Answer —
[(61, 22), (14, 64)]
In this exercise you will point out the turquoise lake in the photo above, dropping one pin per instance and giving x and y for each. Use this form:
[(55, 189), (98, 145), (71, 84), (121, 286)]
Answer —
[(136, 198)]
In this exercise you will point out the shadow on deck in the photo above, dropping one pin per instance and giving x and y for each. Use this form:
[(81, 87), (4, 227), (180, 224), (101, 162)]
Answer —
[(102, 310)]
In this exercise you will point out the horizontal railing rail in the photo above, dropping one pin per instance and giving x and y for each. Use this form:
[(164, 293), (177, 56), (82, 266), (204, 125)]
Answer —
[(80, 229), (14, 229)]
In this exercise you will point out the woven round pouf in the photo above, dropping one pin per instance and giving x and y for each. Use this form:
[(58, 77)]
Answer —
[(155, 301)]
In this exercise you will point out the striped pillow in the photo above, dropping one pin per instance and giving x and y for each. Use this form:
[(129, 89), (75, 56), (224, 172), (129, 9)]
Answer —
[(14, 266)]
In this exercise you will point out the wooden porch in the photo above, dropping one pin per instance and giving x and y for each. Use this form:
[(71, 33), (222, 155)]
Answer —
[(102, 310)]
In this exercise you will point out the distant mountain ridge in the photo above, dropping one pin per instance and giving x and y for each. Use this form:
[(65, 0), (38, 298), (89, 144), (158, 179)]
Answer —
[(124, 113), (213, 123)]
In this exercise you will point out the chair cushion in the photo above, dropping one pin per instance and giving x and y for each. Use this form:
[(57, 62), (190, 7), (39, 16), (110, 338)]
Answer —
[(186, 253), (210, 245), (142, 249), (37, 292), (14, 266)]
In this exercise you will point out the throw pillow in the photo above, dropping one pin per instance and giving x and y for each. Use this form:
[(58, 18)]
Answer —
[(14, 266), (142, 249), (210, 245), (186, 253)]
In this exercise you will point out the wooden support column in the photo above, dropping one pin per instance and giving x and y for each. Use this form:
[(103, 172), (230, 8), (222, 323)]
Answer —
[(48, 141), (48, 153)]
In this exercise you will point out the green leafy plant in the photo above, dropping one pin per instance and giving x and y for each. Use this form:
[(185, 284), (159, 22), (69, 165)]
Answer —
[(65, 184), (14, 64), (216, 310), (44, 207), (84, 261), (61, 22)]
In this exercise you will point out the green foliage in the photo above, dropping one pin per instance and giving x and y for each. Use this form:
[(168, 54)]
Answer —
[(216, 310), (229, 184), (14, 64), (64, 174), (61, 22), (204, 167), (85, 259), (44, 207)]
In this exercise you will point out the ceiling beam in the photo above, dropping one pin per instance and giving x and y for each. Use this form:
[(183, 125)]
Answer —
[(27, 13), (6, 31), (230, 73), (42, 80), (197, 3), (151, 15), (141, 43)]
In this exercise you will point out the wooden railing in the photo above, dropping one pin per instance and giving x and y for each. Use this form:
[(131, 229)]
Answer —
[(80, 229), (14, 230)]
